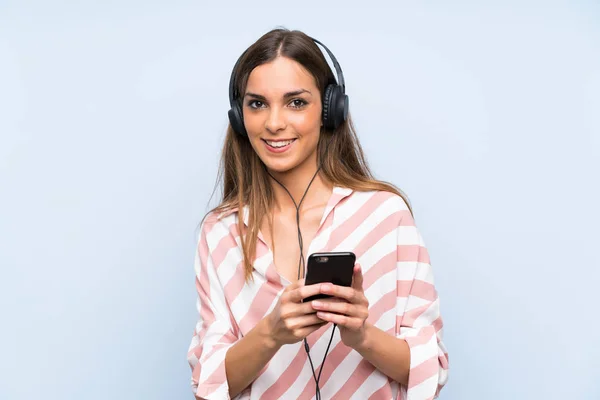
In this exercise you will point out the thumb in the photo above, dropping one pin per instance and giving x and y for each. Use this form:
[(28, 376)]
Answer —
[(357, 278)]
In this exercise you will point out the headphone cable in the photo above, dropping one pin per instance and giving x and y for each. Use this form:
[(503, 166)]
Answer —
[(302, 263)]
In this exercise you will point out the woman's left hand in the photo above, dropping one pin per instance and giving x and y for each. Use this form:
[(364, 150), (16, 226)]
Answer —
[(349, 309)]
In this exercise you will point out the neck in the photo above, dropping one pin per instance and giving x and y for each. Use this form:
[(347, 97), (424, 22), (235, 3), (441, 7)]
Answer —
[(296, 182)]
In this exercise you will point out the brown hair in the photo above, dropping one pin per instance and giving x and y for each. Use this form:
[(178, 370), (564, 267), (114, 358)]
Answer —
[(242, 175)]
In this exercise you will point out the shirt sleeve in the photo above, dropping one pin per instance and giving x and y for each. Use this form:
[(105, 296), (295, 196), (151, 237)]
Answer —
[(418, 319), (213, 334)]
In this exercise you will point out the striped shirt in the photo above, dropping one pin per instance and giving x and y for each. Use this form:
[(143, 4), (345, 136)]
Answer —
[(398, 283)]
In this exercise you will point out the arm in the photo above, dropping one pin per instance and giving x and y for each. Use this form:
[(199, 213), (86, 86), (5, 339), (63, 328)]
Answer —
[(213, 334), (223, 365), (414, 354), (290, 321), (243, 362), (387, 353), (418, 318)]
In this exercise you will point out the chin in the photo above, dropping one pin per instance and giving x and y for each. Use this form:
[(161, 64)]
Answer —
[(280, 167)]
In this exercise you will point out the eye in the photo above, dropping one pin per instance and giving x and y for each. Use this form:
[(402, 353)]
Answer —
[(298, 103), (255, 104)]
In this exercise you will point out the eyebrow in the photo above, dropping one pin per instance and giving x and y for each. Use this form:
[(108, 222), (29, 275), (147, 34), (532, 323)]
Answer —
[(285, 96)]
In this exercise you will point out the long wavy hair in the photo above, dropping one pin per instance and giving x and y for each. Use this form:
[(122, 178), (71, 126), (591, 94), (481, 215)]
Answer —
[(244, 180)]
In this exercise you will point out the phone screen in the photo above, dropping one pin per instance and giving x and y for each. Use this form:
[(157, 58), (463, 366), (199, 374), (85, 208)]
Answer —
[(336, 268)]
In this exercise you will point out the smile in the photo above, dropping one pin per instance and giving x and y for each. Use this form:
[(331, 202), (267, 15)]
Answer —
[(278, 146), (279, 143)]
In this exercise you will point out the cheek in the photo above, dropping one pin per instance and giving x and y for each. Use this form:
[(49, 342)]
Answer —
[(306, 123), (253, 123)]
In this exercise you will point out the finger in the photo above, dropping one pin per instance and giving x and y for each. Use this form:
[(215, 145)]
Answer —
[(300, 322), (343, 292), (340, 307), (294, 285), (357, 279), (296, 309), (340, 320), (304, 332), (300, 293)]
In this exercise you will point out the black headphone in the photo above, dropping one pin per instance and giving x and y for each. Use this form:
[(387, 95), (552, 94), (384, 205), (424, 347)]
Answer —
[(335, 100)]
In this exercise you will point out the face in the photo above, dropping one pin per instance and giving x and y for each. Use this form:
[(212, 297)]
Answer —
[(282, 115)]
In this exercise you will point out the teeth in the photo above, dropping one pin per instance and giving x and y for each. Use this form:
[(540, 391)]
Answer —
[(279, 144)]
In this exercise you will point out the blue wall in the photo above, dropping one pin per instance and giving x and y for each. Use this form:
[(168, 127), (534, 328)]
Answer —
[(111, 120)]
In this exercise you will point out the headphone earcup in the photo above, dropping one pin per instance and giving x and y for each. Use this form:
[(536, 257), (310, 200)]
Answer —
[(342, 108), (236, 119), (335, 107), (327, 107)]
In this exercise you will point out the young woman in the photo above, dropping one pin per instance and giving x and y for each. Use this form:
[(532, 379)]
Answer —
[(295, 182)]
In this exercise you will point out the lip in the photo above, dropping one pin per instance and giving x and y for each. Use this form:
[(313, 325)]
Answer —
[(279, 149)]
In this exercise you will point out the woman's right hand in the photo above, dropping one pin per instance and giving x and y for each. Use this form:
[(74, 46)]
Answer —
[(292, 320)]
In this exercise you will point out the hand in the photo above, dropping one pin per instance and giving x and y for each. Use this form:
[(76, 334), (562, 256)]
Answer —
[(349, 309), (292, 320)]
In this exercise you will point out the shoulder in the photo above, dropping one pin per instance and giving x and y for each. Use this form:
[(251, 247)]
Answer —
[(217, 224), (382, 199)]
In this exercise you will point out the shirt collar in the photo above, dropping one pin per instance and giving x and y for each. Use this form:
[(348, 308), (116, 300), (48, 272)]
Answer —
[(338, 194)]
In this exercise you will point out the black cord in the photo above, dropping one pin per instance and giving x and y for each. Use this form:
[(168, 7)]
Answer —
[(301, 263)]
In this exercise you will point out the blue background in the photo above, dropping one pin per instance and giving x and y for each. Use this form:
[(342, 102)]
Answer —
[(112, 115)]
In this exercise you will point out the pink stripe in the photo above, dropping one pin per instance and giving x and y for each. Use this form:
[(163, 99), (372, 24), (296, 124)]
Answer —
[(389, 224), (234, 286), (406, 218), (196, 374), (206, 313), (411, 316), (423, 371), (438, 324), (287, 378), (259, 306), (412, 253), (197, 351), (225, 339), (383, 305), (403, 288), (444, 360), (383, 393), (361, 373), (350, 225), (334, 358), (421, 289), (219, 375), (333, 201), (382, 267), (326, 225), (418, 340), (220, 252)]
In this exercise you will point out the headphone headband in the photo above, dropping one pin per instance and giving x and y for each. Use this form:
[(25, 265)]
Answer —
[(336, 65)]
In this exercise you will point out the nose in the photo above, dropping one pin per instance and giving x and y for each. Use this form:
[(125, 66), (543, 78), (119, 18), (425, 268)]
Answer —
[(275, 120)]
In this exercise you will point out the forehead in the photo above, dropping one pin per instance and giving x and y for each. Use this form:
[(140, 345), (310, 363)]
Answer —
[(280, 75)]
